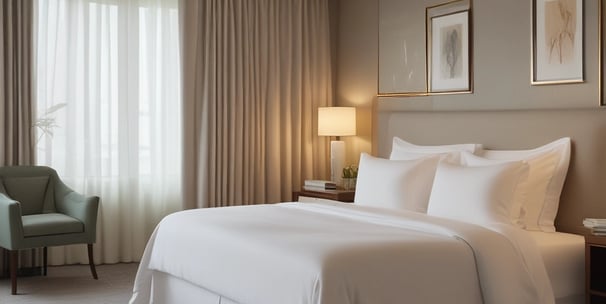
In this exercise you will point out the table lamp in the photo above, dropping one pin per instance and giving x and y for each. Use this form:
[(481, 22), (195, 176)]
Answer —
[(337, 121)]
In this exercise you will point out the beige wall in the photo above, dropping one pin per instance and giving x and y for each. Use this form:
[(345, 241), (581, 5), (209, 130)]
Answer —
[(357, 71), (501, 66)]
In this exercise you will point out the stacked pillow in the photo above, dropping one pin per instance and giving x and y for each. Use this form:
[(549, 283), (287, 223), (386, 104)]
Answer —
[(480, 195), (467, 183), (519, 198), (403, 150), (396, 184), (548, 169)]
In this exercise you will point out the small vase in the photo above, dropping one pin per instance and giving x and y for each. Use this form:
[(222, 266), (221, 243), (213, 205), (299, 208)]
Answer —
[(349, 183)]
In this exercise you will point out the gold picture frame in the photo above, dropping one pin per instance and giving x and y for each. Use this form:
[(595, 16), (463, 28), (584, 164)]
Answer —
[(557, 42), (601, 31), (449, 40), (401, 53)]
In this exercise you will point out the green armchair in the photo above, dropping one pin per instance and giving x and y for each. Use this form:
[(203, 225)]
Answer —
[(37, 210)]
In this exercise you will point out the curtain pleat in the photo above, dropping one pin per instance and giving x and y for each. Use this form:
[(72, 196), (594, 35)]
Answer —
[(16, 108), (16, 96), (254, 74)]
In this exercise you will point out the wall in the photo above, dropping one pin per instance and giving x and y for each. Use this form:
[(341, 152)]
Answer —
[(501, 65), (357, 69)]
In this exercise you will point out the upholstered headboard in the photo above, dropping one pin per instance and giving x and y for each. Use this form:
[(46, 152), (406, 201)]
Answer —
[(584, 193)]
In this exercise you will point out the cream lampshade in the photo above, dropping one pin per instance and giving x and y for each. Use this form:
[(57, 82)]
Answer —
[(337, 121)]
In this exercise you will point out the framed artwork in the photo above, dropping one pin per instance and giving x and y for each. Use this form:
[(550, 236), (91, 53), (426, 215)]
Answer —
[(557, 42), (402, 50), (449, 49)]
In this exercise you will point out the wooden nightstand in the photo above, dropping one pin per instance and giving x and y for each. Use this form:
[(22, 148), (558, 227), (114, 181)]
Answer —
[(346, 196), (595, 269)]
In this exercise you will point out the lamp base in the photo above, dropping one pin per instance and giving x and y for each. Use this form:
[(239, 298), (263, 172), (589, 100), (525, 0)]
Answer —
[(337, 160)]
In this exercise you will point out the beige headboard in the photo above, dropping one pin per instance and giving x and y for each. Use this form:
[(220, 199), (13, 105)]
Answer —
[(584, 193)]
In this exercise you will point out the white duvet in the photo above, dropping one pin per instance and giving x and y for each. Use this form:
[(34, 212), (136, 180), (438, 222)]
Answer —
[(343, 253)]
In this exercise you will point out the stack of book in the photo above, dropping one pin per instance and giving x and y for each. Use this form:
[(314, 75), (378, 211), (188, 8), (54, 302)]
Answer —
[(597, 226), (319, 185)]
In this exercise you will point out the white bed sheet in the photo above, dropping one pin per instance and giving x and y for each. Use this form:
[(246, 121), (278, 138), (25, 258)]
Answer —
[(564, 258), (318, 253), (167, 288), (563, 255)]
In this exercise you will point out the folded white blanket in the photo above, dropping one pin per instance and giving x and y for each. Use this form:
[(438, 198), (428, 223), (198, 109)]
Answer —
[(343, 253)]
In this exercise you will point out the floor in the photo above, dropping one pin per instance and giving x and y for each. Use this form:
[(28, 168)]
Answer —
[(73, 284)]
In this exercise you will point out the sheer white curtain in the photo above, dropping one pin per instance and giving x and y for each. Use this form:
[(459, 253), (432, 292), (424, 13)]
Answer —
[(109, 114)]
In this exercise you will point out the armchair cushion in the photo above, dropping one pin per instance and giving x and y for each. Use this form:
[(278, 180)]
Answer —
[(30, 192), (49, 224)]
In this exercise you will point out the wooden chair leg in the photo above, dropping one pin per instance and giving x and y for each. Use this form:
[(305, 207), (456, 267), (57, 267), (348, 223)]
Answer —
[(91, 262), (14, 260), (5, 263), (44, 260)]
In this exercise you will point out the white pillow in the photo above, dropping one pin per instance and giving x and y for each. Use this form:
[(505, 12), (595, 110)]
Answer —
[(517, 212), (395, 184), (399, 143), (548, 169), (403, 150), (453, 157), (478, 195)]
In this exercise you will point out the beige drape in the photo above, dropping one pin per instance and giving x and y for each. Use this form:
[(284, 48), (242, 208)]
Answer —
[(254, 74), (16, 118), (16, 133)]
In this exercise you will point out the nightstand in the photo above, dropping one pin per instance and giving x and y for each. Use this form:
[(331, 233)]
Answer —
[(346, 196), (595, 269)]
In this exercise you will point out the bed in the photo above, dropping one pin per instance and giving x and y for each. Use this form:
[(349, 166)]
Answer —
[(564, 258), (562, 253), (327, 252)]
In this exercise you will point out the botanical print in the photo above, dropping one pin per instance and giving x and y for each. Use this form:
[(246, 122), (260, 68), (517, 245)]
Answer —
[(557, 42), (560, 29), (451, 63), (448, 53)]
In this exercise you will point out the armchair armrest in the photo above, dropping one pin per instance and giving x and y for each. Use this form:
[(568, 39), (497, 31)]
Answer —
[(84, 208), (11, 226)]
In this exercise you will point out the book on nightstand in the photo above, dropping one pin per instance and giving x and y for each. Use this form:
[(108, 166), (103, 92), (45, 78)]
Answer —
[(596, 226), (313, 184)]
